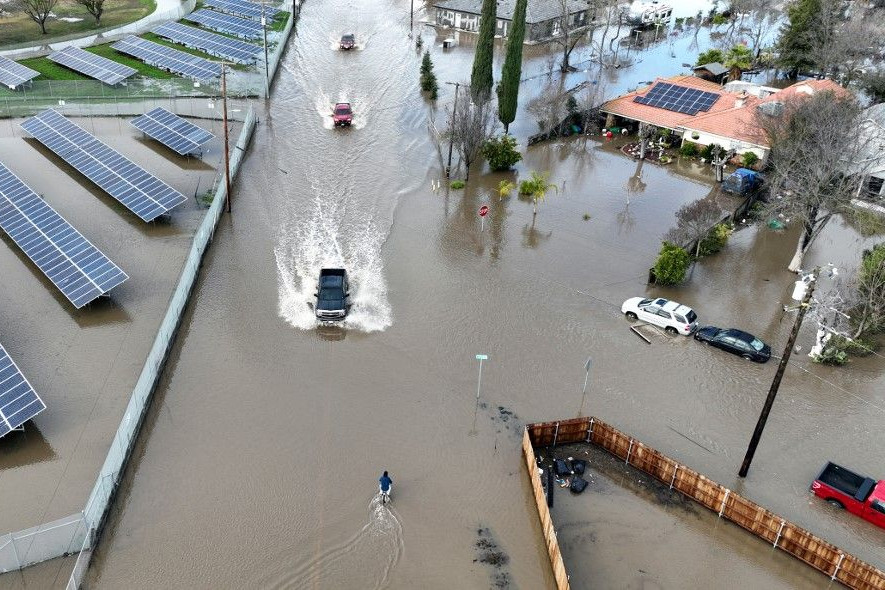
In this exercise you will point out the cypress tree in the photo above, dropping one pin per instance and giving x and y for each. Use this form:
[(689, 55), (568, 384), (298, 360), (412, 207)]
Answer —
[(796, 36), (481, 78), (511, 72)]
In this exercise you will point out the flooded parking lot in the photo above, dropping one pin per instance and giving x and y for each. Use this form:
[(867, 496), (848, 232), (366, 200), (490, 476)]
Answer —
[(258, 461)]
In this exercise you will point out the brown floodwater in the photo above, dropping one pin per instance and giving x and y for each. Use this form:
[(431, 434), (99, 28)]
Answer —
[(259, 459)]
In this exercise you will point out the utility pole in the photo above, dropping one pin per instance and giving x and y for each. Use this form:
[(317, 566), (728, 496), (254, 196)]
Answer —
[(266, 63), (226, 147), (587, 367), (457, 85), (776, 383)]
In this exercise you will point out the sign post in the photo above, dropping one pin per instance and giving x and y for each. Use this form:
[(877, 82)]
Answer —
[(483, 211), (480, 358), (587, 366)]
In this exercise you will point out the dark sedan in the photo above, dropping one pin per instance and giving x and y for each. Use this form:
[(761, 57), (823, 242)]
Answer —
[(736, 342)]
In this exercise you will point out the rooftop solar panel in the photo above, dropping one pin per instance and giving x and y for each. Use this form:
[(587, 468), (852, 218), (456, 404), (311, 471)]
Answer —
[(94, 66), (18, 400), (211, 43), (172, 60), (680, 99), (243, 28), (80, 271), (142, 193), (13, 74), (242, 8), (172, 131)]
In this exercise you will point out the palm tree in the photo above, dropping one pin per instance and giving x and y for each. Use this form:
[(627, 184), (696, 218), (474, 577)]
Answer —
[(505, 187), (738, 59), (540, 186)]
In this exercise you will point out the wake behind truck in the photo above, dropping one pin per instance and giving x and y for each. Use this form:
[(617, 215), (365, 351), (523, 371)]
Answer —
[(858, 494)]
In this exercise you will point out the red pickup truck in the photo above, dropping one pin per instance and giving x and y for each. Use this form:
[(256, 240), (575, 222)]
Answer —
[(846, 489)]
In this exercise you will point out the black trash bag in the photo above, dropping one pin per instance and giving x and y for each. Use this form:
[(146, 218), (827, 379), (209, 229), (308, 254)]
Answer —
[(578, 466), (561, 468), (578, 485)]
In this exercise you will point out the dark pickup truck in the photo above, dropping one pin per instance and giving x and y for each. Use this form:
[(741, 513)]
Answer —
[(860, 495), (333, 295)]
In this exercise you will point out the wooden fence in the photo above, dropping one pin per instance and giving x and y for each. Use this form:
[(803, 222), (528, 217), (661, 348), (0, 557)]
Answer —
[(544, 514), (819, 554)]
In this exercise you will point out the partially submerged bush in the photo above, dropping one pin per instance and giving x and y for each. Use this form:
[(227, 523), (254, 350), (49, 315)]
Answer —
[(458, 184), (671, 265), (749, 159), (501, 152), (689, 149), (716, 239)]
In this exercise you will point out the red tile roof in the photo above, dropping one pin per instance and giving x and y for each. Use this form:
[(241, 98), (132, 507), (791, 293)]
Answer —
[(732, 116)]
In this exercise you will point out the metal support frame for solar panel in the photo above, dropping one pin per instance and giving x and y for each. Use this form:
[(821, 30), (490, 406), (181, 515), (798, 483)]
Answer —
[(94, 66), (211, 43), (169, 59), (679, 99), (80, 270), (242, 8), (172, 131), (18, 400), (13, 74), (243, 28), (139, 191)]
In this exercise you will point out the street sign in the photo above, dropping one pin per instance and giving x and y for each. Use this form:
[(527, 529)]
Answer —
[(484, 210), (482, 357)]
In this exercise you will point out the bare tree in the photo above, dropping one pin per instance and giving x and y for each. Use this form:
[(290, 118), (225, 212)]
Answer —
[(37, 10), (765, 16), (94, 7), (472, 125), (550, 107), (694, 222), (568, 30), (813, 144)]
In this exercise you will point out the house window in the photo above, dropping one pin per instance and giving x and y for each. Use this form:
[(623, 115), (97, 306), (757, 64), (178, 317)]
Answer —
[(874, 186)]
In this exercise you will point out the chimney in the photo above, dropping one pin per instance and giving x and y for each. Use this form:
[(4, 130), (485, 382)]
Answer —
[(740, 99)]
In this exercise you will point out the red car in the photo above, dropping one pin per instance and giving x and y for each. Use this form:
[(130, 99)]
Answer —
[(342, 115), (858, 494)]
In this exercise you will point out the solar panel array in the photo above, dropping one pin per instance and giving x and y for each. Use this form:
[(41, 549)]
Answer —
[(211, 43), (242, 8), (225, 23), (13, 74), (80, 271), (172, 60), (680, 99), (18, 400), (172, 131), (94, 66), (142, 193)]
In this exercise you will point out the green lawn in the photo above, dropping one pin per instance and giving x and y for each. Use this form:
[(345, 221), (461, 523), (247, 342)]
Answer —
[(49, 70), (18, 28), (143, 69)]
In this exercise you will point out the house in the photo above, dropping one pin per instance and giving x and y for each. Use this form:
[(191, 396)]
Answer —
[(712, 72), (705, 113), (871, 135), (543, 18)]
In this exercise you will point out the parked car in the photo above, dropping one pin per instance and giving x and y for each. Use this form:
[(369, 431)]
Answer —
[(348, 41), (673, 317), (333, 295), (342, 114), (860, 495), (742, 181), (736, 342)]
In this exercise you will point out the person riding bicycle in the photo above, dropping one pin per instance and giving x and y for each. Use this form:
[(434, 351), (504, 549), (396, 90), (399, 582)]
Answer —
[(385, 484)]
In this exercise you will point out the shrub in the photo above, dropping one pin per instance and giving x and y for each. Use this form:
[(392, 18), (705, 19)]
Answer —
[(749, 159), (716, 239), (719, 19), (671, 265), (501, 152), (526, 187), (458, 184), (428, 78), (689, 149), (707, 151), (710, 56)]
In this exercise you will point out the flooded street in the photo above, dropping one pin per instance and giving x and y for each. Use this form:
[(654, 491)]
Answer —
[(259, 459)]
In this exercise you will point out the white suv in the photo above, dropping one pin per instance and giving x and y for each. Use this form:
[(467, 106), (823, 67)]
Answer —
[(673, 317)]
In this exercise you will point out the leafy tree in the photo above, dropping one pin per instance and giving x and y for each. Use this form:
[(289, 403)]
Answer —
[(874, 85), (795, 40), (37, 10), (511, 72), (481, 78), (428, 77), (870, 291), (710, 56), (738, 59), (671, 265), (501, 153), (94, 7)]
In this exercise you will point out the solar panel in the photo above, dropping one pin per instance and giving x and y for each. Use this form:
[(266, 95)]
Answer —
[(80, 271), (211, 43), (94, 66), (225, 23), (680, 99), (172, 60), (139, 191), (13, 74), (242, 8), (172, 131), (18, 400)]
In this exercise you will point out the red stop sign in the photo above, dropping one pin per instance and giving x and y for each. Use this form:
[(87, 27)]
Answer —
[(484, 210)]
